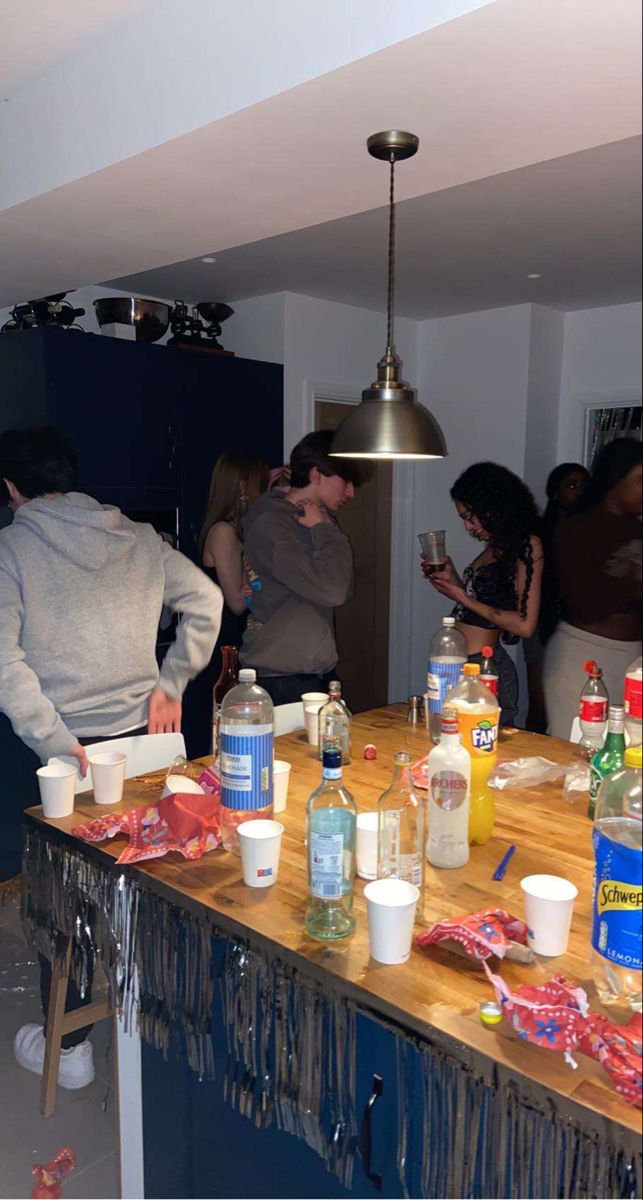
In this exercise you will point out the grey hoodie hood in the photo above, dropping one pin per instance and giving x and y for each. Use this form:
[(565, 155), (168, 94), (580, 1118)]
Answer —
[(77, 527)]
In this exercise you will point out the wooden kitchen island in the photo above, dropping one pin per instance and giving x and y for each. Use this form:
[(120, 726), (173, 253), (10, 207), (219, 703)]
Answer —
[(276, 1066)]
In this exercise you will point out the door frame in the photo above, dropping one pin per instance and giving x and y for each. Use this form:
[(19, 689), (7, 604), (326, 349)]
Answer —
[(402, 525)]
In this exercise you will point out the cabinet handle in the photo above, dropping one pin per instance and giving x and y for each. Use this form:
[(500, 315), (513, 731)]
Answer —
[(366, 1132)]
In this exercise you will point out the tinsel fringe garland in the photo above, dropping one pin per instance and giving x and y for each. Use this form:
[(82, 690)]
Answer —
[(468, 1129)]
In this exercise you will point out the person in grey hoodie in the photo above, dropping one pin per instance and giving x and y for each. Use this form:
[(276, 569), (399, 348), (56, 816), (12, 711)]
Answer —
[(299, 569), (81, 593)]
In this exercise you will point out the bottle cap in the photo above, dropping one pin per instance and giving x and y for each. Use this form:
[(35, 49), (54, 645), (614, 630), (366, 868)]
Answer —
[(448, 621), (634, 757), (247, 675), (334, 686), (487, 651), (332, 758), (471, 669), (592, 668), (490, 1013)]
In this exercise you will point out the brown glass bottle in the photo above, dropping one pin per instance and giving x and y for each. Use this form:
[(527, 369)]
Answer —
[(228, 678)]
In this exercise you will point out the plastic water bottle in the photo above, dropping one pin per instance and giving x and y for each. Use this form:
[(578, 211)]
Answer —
[(617, 919), (633, 699), (449, 784), (592, 712), (447, 656), (331, 852), (247, 751)]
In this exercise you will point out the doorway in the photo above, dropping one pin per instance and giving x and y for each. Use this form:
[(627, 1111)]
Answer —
[(362, 625)]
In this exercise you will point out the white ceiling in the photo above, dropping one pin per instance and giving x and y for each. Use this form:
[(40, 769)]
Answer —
[(38, 34), (492, 94), (575, 220)]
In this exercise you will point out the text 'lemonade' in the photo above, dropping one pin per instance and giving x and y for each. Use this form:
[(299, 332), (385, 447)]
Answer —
[(478, 718), (246, 756), (617, 917)]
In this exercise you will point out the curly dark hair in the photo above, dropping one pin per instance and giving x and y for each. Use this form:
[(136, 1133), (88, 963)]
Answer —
[(506, 508)]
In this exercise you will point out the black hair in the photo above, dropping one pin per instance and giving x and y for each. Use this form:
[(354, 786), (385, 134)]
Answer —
[(314, 451), (552, 487), (506, 508), (611, 465), (37, 461)]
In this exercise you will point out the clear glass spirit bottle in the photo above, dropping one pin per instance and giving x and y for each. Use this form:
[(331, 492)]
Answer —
[(331, 852), (401, 831), (335, 722)]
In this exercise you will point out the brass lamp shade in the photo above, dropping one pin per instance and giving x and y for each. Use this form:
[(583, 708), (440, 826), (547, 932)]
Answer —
[(389, 423)]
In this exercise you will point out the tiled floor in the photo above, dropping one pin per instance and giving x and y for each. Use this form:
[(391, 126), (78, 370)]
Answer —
[(83, 1120)]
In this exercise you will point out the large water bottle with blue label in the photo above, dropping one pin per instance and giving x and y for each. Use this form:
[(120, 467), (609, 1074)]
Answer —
[(246, 760), (447, 656), (617, 925)]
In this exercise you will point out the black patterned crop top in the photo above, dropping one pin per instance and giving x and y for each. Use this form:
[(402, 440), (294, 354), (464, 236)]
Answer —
[(493, 583)]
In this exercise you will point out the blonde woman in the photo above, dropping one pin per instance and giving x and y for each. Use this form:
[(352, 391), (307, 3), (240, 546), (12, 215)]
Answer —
[(237, 481)]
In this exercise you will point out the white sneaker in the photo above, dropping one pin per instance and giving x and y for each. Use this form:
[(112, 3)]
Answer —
[(76, 1068)]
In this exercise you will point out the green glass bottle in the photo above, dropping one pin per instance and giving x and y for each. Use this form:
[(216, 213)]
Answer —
[(611, 758)]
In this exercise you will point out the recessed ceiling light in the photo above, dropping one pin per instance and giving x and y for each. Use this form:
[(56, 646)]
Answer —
[(532, 274), (208, 259)]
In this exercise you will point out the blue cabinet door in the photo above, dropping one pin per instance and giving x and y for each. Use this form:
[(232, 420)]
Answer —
[(198, 1143)]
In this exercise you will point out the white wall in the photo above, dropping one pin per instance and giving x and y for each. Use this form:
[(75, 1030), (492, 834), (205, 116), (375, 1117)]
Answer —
[(601, 362), (473, 375), (543, 394)]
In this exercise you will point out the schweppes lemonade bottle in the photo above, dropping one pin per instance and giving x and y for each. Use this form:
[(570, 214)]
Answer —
[(478, 718), (617, 915)]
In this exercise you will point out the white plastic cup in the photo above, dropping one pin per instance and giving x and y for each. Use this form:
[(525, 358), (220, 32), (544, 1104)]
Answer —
[(280, 780), (260, 843), (181, 783), (57, 783), (108, 775), (312, 702), (549, 903), (391, 906), (366, 845)]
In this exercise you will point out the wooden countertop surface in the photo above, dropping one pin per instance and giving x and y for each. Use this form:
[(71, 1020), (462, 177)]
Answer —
[(434, 990)]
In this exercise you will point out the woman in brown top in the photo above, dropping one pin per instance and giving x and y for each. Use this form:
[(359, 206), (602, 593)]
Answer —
[(597, 560)]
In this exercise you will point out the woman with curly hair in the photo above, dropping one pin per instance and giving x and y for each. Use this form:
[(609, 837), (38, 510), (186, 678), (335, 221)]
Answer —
[(498, 597)]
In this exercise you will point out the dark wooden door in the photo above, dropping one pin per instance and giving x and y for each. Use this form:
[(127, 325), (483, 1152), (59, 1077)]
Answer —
[(362, 624)]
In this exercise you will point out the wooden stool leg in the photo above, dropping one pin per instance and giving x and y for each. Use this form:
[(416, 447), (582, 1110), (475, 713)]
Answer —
[(55, 1015)]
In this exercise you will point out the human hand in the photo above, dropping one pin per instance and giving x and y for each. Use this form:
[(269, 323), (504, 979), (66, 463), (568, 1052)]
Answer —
[(453, 591), (279, 477), (79, 754), (313, 514), (164, 713), (444, 571)]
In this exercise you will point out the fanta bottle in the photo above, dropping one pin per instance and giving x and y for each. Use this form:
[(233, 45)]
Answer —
[(479, 717)]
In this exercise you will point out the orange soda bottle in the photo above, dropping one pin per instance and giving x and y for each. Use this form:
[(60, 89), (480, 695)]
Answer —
[(479, 717)]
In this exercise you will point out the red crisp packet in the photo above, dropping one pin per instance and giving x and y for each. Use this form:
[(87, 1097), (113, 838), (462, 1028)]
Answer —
[(188, 823), (556, 1015), (481, 934), (50, 1176)]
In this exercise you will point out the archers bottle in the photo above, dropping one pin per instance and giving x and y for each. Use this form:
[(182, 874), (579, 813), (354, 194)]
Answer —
[(449, 783)]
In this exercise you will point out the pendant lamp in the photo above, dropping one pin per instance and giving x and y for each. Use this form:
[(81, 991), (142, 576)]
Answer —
[(389, 423)]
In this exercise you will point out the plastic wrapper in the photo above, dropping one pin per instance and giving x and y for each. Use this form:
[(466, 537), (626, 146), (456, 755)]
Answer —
[(481, 935), (187, 823), (526, 772), (49, 1177)]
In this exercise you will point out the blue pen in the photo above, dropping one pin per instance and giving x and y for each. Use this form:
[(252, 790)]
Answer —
[(499, 872)]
